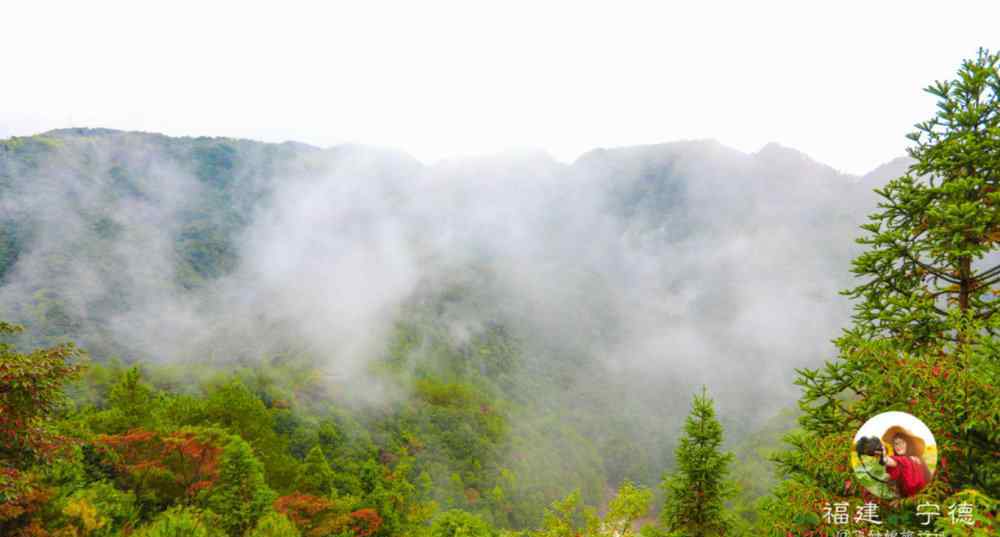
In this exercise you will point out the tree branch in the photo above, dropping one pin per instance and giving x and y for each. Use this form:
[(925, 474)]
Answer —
[(928, 268), (988, 274)]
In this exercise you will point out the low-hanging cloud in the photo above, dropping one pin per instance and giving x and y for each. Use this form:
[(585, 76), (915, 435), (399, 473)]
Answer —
[(664, 267)]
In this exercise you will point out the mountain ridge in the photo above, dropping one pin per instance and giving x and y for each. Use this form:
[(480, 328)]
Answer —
[(154, 247), (770, 150)]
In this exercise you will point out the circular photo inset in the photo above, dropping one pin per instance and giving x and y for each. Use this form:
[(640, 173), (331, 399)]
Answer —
[(894, 455)]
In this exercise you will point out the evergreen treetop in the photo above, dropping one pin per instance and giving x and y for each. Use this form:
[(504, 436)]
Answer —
[(696, 492), (938, 223), (923, 337)]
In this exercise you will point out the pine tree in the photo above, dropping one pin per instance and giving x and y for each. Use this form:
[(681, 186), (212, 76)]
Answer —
[(923, 334), (315, 475), (938, 222), (696, 492), (130, 405), (241, 495)]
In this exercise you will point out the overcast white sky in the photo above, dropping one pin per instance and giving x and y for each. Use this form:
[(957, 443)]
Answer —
[(840, 81)]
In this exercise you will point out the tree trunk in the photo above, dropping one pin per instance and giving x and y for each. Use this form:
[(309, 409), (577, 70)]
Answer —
[(965, 285)]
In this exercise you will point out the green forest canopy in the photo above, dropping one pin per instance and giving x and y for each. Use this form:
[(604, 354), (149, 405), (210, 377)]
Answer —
[(478, 438)]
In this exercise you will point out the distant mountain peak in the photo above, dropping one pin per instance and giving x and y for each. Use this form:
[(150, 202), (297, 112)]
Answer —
[(776, 151), (703, 148), (775, 155), (890, 170)]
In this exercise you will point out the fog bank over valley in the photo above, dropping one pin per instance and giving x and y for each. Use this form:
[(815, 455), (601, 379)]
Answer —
[(647, 271)]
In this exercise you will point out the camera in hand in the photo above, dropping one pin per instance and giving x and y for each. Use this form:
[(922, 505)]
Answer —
[(869, 445)]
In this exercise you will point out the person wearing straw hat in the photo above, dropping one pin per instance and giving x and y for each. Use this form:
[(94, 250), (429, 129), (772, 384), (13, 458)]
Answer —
[(906, 464)]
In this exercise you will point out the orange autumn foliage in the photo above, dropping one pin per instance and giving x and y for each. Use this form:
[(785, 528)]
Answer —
[(24, 499), (188, 459), (303, 509), (316, 516), (30, 391), (365, 522)]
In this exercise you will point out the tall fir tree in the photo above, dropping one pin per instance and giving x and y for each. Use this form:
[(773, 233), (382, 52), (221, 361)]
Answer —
[(315, 475), (938, 223), (241, 496), (696, 492), (923, 337)]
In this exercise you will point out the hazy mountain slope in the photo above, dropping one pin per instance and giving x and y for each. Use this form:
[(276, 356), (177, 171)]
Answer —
[(626, 278)]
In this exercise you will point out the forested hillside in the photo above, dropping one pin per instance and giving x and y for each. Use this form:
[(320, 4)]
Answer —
[(364, 342)]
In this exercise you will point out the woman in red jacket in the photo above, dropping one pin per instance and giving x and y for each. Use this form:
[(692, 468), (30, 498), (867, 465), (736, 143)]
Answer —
[(906, 465)]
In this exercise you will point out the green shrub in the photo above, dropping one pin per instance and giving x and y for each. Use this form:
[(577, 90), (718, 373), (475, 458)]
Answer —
[(456, 523), (274, 524), (181, 522)]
